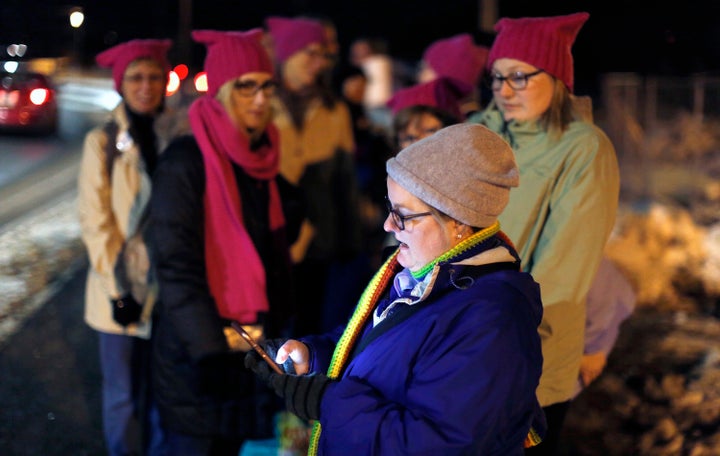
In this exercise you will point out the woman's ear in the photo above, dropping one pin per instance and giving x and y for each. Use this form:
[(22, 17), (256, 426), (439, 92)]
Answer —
[(461, 230)]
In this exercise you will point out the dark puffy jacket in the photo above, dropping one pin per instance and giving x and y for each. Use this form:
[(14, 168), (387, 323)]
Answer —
[(202, 388)]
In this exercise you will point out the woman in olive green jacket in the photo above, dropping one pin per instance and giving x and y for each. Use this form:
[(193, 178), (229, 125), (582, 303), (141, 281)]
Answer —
[(562, 214)]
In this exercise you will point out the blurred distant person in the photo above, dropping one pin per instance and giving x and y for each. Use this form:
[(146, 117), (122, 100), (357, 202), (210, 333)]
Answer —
[(561, 215), (351, 84), (371, 54), (371, 145), (316, 143), (332, 45), (114, 187), (423, 109), (460, 59), (221, 225), (372, 149), (332, 49)]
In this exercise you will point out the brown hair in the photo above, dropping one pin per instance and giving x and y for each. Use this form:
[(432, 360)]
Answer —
[(407, 116), (560, 113)]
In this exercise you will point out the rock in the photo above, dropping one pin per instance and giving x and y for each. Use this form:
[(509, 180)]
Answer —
[(664, 439)]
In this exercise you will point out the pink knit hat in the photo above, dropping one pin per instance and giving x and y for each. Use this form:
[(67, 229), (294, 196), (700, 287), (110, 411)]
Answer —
[(232, 54), (292, 35), (457, 57), (441, 93), (120, 56), (543, 42)]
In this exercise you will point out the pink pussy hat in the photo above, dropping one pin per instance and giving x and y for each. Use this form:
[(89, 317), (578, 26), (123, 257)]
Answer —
[(457, 57), (291, 35), (441, 93), (544, 42), (232, 54), (120, 56)]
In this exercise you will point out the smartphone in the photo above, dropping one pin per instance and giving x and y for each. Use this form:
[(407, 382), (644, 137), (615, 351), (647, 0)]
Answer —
[(236, 326)]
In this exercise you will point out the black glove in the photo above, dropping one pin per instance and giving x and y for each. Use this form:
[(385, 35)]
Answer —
[(271, 346), (126, 310), (255, 363), (302, 393)]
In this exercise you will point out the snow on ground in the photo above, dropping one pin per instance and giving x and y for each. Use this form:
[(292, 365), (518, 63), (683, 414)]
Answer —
[(36, 254)]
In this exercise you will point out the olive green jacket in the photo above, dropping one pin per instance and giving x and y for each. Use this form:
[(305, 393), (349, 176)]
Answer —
[(559, 218)]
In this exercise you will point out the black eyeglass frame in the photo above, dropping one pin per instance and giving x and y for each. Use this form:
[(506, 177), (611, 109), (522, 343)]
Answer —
[(251, 88), (496, 80), (399, 219)]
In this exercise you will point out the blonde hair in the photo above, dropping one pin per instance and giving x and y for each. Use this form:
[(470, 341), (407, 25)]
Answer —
[(225, 97)]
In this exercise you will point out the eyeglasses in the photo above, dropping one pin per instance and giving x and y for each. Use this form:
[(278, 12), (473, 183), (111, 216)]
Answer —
[(517, 80), (399, 219), (251, 88), (151, 78)]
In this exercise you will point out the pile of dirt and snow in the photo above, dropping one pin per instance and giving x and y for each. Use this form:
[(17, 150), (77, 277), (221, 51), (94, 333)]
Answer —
[(35, 254), (660, 392)]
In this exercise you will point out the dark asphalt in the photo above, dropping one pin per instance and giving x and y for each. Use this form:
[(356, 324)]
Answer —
[(50, 381)]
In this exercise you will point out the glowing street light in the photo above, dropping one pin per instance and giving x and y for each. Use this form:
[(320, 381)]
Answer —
[(76, 17)]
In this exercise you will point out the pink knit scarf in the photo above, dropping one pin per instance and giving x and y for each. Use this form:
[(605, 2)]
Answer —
[(234, 270)]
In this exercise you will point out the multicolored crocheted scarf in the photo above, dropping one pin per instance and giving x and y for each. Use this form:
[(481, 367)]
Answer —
[(369, 299), (462, 247)]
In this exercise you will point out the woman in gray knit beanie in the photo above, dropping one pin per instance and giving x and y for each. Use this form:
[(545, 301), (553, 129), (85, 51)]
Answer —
[(460, 176), (442, 353)]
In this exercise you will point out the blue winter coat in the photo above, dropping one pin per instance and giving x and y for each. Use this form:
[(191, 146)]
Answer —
[(456, 375)]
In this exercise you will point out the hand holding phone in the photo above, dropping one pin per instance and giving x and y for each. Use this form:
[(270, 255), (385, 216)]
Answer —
[(273, 365)]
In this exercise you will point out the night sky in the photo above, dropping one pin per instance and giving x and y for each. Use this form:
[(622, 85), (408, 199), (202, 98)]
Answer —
[(629, 35)]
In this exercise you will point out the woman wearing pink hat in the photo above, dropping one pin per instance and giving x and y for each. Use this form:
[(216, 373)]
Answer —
[(562, 214), (316, 154), (460, 59), (113, 190), (220, 239), (423, 109)]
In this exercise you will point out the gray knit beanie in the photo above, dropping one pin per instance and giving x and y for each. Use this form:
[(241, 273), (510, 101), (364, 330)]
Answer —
[(464, 170)]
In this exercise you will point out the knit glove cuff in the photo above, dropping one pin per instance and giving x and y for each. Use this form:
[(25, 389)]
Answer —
[(302, 393)]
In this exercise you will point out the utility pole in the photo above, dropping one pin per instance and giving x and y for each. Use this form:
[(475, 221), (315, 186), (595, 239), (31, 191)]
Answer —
[(184, 27), (488, 15)]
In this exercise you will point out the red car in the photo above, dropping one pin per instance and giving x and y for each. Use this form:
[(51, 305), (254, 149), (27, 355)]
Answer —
[(27, 103)]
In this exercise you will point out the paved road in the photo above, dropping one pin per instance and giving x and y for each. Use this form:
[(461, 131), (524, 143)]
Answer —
[(50, 381), (42, 187)]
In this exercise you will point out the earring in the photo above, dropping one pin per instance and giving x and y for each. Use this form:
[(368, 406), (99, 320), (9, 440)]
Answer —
[(459, 235)]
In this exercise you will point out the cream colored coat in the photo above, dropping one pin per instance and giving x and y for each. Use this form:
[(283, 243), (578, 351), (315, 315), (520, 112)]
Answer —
[(110, 208)]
